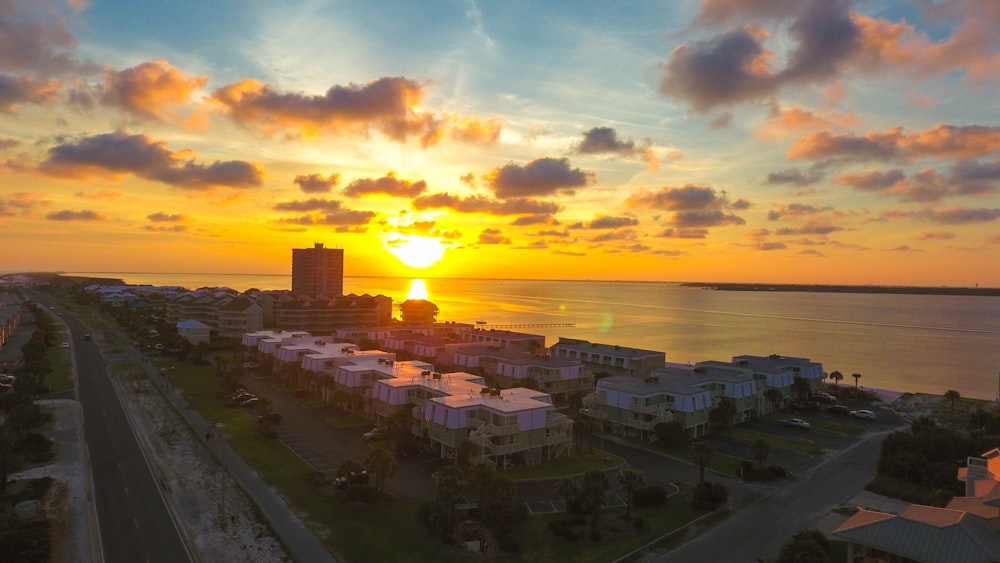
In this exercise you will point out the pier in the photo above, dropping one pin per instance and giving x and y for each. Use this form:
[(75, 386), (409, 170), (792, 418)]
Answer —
[(523, 325)]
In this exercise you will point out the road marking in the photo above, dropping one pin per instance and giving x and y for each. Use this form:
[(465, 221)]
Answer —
[(136, 522), (126, 491)]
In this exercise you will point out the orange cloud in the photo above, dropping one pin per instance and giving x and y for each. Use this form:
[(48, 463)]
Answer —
[(152, 89), (475, 130), (940, 141), (25, 90)]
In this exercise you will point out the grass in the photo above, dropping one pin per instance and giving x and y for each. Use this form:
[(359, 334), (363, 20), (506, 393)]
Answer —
[(902, 490), (573, 464), (60, 378), (348, 420), (776, 441), (360, 532), (720, 462), (538, 544)]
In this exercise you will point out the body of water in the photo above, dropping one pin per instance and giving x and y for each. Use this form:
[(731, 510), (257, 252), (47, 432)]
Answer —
[(919, 343)]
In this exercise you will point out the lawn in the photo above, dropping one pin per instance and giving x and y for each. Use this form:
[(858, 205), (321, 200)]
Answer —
[(720, 462), (776, 441), (573, 464), (60, 378)]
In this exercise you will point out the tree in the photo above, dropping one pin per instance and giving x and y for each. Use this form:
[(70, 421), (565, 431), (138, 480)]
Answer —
[(761, 450), (592, 488), (383, 464), (630, 480), (569, 490), (774, 396), (806, 546), (722, 415), (801, 387), (701, 452), (837, 377), (952, 396), (979, 420), (856, 377), (670, 434)]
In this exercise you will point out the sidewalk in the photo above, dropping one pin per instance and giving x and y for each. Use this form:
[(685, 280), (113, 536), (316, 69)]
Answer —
[(300, 541)]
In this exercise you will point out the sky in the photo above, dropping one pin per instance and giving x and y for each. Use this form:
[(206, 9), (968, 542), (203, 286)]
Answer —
[(783, 141)]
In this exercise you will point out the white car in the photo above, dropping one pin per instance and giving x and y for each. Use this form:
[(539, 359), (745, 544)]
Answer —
[(65, 345), (867, 415), (795, 422)]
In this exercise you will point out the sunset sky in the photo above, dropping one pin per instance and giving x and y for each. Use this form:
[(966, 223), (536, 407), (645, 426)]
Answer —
[(798, 141)]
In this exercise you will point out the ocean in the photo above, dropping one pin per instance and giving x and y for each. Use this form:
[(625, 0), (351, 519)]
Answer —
[(915, 343)]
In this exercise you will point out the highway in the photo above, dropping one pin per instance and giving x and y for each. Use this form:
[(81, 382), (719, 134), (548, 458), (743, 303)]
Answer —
[(135, 523)]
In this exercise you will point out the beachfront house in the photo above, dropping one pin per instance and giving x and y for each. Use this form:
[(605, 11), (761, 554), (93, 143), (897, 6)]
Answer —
[(807, 376), (609, 359), (505, 339), (633, 406), (510, 367), (194, 331)]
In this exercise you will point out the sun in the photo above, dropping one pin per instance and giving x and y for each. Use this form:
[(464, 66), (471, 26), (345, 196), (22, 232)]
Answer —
[(416, 251)]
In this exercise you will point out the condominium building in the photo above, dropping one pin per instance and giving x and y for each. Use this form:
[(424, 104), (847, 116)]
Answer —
[(510, 426), (505, 339), (318, 271), (810, 374), (511, 367), (608, 358), (633, 406)]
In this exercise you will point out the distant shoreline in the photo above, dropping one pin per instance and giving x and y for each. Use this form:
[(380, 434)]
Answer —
[(905, 290)]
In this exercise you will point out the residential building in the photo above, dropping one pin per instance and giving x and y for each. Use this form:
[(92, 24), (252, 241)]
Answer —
[(194, 331), (418, 312), (505, 339), (610, 359), (511, 426), (512, 367), (326, 315), (268, 341), (633, 406), (810, 374), (237, 317), (781, 380), (318, 271)]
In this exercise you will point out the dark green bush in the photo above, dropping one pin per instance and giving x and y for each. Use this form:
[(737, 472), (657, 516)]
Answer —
[(653, 495)]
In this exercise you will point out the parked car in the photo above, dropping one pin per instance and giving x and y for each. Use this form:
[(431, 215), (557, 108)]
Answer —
[(249, 401), (796, 423), (65, 345), (805, 406), (824, 398), (7, 379), (373, 434), (838, 409), (867, 415), (86, 336), (251, 365)]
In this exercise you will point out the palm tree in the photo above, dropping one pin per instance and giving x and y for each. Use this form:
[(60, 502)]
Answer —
[(569, 490), (592, 488), (761, 450), (856, 377), (630, 480), (952, 396), (774, 397), (383, 464), (836, 376), (723, 415), (701, 452)]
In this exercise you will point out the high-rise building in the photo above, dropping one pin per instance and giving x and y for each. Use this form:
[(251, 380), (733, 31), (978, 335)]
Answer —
[(318, 271)]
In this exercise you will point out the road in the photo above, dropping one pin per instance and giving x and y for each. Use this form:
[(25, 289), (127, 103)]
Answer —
[(135, 523), (758, 531)]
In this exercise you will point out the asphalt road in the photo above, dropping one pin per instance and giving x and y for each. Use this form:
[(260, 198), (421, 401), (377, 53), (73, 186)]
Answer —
[(758, 531), (135, 524)]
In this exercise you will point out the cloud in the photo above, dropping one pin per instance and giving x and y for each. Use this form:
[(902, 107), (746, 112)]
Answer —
[(716, 12), (608, 222), (68, 215), (35, 38), (165, 228), (540, 177), (604, 140), (24, 90), (540, 219), (536, 245), (622, 234), (479, 204), (492, 236), (940, 141), (684, 233), (152, 90), (9, 143), (160, 217), (309, 205), (936, 235), (795, 177), (873, 181), (342, 217), (316, 183), (693, 206), (770, 246), (814, 226), (475, 130), (119, 154), (387, 185), (21, 203), (958, 215), (568, 252), (795, 210)]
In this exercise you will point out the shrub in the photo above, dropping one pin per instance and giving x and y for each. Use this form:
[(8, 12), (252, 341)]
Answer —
[(317, 479), (653, 495), (709, 496), (364, 493), (558, 527), (508, 544), (639, 523), (777, 471), (595, 536)]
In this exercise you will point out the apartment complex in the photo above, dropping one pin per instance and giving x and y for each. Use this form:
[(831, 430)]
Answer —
[(318, 271), (513, 367), (632, 406), (608, 358), (510, 426), (810, 374)]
